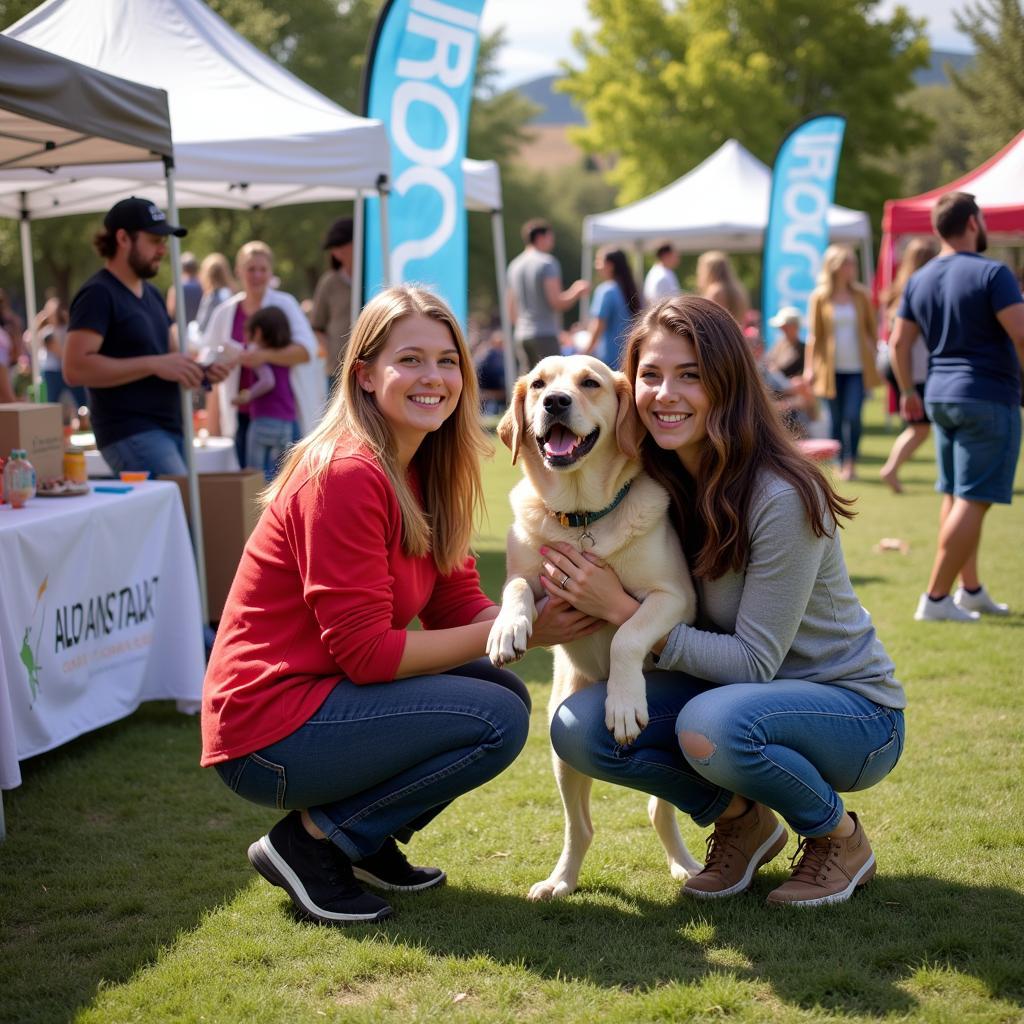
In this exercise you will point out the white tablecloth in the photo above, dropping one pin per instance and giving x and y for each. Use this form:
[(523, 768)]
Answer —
[(99, 611), (212, 455)]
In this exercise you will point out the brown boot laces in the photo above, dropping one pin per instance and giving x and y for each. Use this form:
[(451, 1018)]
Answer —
[(719, 852), (813, 855)]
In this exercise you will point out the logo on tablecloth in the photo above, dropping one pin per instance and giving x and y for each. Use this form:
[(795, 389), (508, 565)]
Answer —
[(80, 624), (29, 656)]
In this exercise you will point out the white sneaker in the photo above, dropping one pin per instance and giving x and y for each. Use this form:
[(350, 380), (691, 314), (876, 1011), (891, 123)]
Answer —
[(979, 602), (942, 611)]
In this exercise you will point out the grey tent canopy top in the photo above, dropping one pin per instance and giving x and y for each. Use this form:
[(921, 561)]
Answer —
[(55, 112)]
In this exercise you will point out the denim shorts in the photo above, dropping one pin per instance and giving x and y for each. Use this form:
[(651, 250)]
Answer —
[(977, 444)]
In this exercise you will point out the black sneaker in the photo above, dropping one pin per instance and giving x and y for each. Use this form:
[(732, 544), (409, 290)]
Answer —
[(389, 869), (315, 873)]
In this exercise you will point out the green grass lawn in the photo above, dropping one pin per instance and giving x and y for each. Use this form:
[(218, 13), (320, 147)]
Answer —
[(125, 894)]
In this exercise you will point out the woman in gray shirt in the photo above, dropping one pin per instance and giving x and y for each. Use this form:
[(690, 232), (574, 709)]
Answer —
[(781, 695)]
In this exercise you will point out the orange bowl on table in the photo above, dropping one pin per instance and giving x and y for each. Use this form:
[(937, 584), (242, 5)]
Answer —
[(134, 476)]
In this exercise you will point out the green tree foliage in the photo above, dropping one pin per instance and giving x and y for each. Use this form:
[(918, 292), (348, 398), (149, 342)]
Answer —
[(664, 83), (946, 154), (993, 86)]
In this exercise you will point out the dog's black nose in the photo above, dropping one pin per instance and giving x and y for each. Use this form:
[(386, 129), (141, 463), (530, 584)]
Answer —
[(557, 401)]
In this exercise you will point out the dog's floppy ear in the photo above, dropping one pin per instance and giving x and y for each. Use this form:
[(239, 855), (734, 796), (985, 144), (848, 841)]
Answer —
[(513, 423), (629, 431)]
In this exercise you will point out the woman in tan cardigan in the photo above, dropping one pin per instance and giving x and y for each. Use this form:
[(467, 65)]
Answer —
[(840, 355)]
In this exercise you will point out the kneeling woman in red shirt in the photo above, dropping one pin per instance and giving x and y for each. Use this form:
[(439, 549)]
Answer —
[(318, 698)]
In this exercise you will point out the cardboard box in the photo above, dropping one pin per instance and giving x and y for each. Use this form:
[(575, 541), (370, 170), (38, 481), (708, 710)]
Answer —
[(38, 428), (230, 508)]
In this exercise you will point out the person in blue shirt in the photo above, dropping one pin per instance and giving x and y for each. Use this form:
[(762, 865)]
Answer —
[(970, 312), (616, 301)]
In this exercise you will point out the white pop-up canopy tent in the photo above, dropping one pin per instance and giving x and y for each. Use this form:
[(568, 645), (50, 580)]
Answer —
[(242, 123), (721, 204), (247, 133), (55, 111)]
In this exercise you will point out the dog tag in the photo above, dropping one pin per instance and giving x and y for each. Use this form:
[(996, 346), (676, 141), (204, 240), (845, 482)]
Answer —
[(587, 540)]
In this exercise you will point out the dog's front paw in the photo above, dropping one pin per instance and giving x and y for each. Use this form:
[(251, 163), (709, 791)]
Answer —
[(507, 640), (625, 713), (552, 888)]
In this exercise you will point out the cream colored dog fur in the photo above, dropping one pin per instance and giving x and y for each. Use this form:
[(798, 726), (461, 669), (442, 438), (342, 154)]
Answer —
[(573, 423)]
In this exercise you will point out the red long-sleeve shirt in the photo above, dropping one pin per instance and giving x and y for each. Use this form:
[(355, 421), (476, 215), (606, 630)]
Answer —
[(323, 591)]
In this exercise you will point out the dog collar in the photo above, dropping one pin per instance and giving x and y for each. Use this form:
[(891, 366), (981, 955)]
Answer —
[(584, 519)]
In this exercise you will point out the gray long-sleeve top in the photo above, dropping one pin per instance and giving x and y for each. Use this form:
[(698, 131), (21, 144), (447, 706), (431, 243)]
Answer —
[(792, 615)]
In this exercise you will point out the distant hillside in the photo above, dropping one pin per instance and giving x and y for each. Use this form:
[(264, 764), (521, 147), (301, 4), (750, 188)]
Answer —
[(935, 73), (555, 107), (558, 109)]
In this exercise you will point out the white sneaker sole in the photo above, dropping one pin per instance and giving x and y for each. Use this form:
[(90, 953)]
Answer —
[(379, 883), (276, 870), (755, 862), (836, 897)]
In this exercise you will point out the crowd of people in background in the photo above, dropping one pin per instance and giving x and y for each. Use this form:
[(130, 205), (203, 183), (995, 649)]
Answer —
[(818, 372)]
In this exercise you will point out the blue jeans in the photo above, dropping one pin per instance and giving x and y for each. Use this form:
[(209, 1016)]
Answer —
[(383, 760), (159, 451), (977, 445), (266, 442), (56, 386), (788, 744), (845, 410)]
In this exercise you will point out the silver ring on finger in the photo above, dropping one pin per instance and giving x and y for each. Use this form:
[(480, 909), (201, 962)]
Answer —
[(565, 581)]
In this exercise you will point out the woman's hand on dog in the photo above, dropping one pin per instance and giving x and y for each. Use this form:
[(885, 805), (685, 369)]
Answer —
[(592, 586), (558, 622)]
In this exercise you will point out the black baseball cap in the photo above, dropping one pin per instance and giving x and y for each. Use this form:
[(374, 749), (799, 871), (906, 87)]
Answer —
[(134, 214), (339, 233)]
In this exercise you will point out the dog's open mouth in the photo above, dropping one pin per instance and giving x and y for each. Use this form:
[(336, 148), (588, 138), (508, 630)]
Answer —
[(561, 447)]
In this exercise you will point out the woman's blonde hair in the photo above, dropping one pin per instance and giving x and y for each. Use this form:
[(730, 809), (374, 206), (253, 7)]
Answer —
[(448, 460), (715, 267), (831, 263), (250, 249), (215, 272)]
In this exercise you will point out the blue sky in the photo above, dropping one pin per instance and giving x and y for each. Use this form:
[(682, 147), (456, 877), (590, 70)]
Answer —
[(538, 32)]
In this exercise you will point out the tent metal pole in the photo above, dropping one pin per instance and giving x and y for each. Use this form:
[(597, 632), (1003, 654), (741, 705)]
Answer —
[(385, 231), (638, 264), (508, 346), (867, 267), (196, 515), (586, 274), (29, 274), (358, 212)]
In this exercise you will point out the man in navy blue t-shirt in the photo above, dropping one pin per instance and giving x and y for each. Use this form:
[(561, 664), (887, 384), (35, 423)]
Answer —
[(971, 314), (121, 347)]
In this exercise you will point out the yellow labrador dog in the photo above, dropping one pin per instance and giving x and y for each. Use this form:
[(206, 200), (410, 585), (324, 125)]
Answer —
[(573, 423)]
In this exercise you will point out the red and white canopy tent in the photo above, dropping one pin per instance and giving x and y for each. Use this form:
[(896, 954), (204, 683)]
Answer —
[(998, 186)]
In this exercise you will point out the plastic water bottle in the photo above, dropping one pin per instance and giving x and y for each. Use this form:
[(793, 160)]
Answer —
[(19, 479)]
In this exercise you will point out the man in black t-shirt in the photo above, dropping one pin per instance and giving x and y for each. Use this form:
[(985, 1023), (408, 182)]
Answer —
[(122, 347)]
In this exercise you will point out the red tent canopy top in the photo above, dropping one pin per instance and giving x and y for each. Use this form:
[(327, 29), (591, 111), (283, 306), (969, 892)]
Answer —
[(998, 185)]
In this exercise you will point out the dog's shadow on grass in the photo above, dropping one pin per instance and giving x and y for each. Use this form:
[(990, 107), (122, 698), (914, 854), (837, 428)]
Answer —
[(850, 959)]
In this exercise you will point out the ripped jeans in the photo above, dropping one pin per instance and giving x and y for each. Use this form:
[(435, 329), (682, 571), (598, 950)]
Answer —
[(789, 744)]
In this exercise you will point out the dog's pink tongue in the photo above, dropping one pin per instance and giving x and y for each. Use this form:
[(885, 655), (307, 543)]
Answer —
[(560, 441)]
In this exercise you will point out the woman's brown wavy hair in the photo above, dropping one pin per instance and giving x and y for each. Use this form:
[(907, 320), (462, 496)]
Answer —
[(448, 460), (745, 437)]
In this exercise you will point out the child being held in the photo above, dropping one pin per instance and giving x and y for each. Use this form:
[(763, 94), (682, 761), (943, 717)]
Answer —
[(270, 399)]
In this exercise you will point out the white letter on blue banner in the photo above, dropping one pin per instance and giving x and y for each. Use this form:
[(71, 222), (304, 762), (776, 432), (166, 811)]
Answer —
[(421, 85), (803, 186)]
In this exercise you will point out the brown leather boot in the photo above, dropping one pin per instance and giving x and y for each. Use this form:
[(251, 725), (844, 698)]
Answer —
[(736, 849), (829, 870)]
